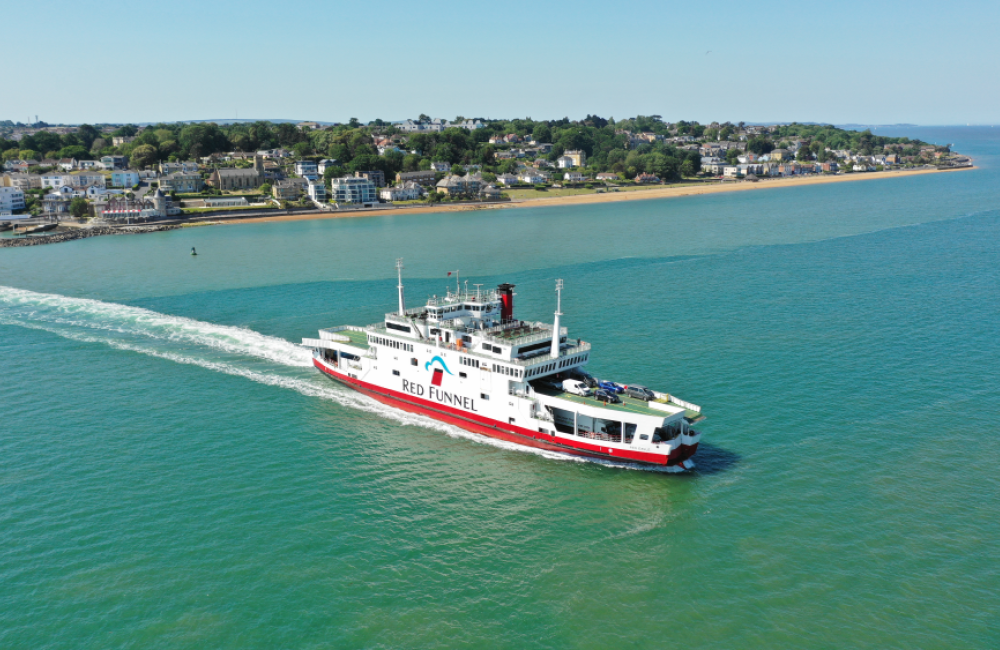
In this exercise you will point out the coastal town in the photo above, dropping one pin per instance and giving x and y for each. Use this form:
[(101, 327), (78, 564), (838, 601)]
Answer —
[(86, 175)]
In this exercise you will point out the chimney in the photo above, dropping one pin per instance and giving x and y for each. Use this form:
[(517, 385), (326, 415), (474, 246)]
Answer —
[(506, 291)]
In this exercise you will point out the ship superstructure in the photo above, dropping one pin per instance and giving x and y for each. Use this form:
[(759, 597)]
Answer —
[(464, 358)]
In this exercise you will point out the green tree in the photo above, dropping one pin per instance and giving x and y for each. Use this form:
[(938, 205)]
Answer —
[(97, 146), (732, 155), (11, 154), (29, 154), (265, 189), (687, 168), (75, 151), (78, 208), (143, 156), (542, 133)]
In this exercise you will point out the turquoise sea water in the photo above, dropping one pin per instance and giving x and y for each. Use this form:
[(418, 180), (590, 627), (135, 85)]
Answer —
[(174, 475)]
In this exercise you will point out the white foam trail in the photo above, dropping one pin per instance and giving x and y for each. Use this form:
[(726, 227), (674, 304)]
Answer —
[(60, 315), (136, 321)]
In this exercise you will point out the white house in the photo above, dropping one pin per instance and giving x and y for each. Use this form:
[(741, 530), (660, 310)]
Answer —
[(564, 162), (325, 164), (317, 191), (353, 189), (573, 177), (124, 178), (531, 177), (507, 179), (12, 198), (440, 166), (303, 167), (407, 192)]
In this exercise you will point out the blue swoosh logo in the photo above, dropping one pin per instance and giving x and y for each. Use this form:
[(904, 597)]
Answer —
[(427, 366)]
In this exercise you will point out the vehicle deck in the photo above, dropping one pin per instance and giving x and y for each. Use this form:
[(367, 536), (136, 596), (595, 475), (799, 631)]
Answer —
[(357, 339), (628, 405)]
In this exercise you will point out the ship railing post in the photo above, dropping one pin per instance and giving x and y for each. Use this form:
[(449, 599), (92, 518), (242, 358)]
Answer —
[(576, 429)]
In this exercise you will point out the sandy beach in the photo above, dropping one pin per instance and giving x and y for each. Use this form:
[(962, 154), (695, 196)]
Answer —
[(634, 195)]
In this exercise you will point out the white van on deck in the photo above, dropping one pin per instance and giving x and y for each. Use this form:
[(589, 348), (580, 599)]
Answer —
[(575, 387)]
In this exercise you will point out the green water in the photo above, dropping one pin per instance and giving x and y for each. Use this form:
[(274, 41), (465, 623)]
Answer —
[(173, 474)]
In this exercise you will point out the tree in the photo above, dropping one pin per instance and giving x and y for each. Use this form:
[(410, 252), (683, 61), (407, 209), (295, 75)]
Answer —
[(760, 145), (143, 156), (732, 155), (302, 149), (265, 189), (687, 168), (75, 151), (423, 118), (97, 146), (78, 208), (29, 154), (11, 154), (458, 170), (542, 133)]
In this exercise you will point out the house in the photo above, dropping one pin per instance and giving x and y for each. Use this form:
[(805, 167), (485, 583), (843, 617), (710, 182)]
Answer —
[(564, 162), (228, 180), (353, 189), (454, 185), (440, 166), (779, 155), (406, 192), (490, 193), (579, 157), (119, 140), (182, 182), (11, 199), (22, 181), (84, 179), (289, 189), (325, 164), (52, 180), (573, 177), (607, 176), (829, 166), (531, 177), (114, 162), (312, 126), (124, 178), (377, 177), (303, 167), (67, 164), (171, 167), (425, 178), (317, 191), (87, 164), (471, 125), (647, 178), (507, 179)]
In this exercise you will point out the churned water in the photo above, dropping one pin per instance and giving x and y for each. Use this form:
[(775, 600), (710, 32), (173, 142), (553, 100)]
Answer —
[(173, 474)]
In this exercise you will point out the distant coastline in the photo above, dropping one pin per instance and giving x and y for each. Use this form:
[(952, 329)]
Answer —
[(583, 199)]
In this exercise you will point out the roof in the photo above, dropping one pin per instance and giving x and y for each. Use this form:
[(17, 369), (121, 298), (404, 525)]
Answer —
[(236, 172)]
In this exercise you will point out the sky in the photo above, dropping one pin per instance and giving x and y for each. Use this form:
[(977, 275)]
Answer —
[(873, 62)]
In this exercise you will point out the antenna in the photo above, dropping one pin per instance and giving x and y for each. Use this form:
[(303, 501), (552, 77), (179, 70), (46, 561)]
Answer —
[(477, 289), (554, 351), (399, 271), (466, 288)]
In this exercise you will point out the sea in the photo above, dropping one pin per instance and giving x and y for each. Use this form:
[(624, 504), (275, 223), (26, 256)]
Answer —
[(174, 474)]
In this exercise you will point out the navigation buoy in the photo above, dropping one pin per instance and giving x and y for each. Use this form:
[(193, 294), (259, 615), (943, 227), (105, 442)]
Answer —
[(193, 251)]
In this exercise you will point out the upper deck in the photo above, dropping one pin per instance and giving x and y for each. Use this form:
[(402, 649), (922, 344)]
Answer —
[(628, 404)]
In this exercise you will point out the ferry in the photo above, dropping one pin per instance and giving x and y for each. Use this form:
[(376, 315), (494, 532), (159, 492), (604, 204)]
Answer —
[(465, 359)]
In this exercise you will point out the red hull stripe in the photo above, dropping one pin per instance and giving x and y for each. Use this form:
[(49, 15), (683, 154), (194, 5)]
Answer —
[(502, 430)]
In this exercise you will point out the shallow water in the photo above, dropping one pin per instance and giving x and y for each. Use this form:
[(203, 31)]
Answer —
[(175, 475)]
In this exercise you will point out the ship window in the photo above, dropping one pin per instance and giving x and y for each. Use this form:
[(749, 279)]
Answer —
[(413, 361), (400, 328), (484, 396), (395, 372), (643, 437), (462, 375)]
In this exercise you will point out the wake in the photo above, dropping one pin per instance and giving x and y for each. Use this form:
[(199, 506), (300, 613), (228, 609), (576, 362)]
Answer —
[(229, 350)]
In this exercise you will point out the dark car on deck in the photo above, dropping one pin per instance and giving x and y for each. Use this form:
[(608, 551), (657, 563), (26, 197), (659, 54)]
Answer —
[(607, 397), (640, 392)]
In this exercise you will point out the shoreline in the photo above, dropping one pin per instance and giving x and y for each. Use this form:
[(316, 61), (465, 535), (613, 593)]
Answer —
[(608, 197)]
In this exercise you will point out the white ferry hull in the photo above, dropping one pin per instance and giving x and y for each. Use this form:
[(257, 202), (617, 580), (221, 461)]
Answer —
[(678, 458)]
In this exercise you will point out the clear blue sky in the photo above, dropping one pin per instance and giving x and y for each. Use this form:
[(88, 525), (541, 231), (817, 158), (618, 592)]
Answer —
[(872, 62)]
